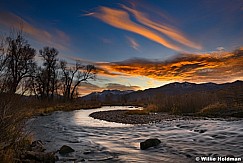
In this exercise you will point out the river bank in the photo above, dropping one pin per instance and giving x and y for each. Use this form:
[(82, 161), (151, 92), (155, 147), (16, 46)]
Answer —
[(128, 117), (122, 116)]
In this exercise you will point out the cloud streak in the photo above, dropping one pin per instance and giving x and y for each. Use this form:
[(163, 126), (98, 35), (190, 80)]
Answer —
[(56, 38), (211, 67), (164, 29), (155, 31), (133, 43), (120, 19)]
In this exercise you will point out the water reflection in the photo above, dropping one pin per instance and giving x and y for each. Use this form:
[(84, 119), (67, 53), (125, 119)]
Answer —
[(81, 117)]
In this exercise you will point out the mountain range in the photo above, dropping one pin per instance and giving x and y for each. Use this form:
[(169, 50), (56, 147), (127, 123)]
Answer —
[(171, 89)]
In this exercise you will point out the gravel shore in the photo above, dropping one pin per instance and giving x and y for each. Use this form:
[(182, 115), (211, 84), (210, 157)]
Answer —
[(121, 116)]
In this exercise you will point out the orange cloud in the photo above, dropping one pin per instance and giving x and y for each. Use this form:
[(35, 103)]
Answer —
[(102, 70), (171, 32), (212, 67), (120, 19), (146, 27), (58, 38)]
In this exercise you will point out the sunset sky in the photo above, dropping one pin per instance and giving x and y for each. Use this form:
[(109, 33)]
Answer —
[(137, 44)]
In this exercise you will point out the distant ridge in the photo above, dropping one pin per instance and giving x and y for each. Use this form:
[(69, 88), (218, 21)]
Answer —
[(175, 88), (112, 95)]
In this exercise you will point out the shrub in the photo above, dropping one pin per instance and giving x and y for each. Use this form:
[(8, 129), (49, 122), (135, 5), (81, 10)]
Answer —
[(152, 108), (175, 110), (216, 109), (12, 137)]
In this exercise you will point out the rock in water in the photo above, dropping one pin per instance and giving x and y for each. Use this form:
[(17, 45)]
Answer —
[(200, 130), (65, 150), (149, 143), (37, 146)]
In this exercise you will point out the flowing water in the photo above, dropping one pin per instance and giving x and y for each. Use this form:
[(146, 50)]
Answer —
[(100, 141)]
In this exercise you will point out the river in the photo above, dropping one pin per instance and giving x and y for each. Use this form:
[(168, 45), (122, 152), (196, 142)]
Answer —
[(100, 141)]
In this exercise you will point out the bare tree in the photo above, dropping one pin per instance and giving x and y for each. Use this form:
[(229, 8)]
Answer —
[(67, 79), (17, 60), (2, 65), (73, 76), (2, 56), (47, 75), (37, 85)]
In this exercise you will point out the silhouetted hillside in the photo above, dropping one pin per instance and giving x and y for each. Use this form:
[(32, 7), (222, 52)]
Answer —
[(177, 88)]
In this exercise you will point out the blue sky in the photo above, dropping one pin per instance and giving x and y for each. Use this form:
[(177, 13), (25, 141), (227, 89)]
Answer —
[(131, 33)]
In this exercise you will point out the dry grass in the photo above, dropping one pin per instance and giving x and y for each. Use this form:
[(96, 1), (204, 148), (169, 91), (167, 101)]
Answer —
[(15, 110), (222, 110), (220, 103), (152, 108), (12, 118), (214, 108)]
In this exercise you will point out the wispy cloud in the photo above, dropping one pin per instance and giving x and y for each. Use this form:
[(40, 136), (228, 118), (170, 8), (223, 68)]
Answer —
[(220, 48), (214, 67), (155, 31), (133, 43), (169, 31), (106, 40), (120, 19), (56, 38), (87, 88)]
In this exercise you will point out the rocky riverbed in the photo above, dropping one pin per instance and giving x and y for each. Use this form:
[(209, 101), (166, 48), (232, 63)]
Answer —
[(123, 116)]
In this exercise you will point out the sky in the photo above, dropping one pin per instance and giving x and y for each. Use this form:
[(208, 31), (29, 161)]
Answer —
[(136, 44)]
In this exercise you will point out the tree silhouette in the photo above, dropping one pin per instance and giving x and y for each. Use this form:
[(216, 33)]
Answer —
[(74, 75), (47, 74), (17, 60)]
